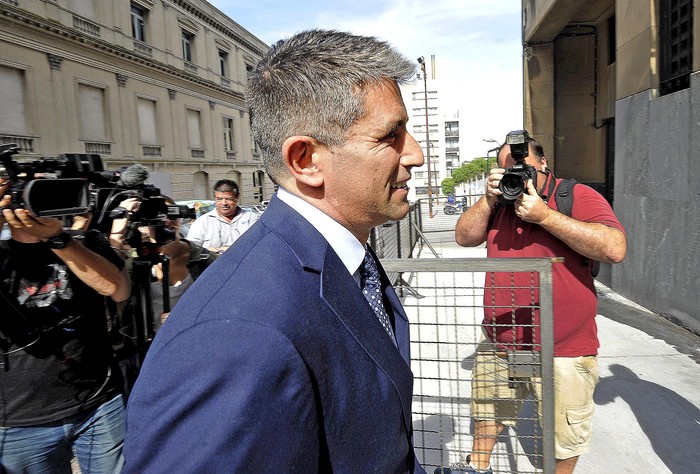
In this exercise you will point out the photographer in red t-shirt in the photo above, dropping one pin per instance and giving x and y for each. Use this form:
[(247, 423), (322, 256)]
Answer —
[(521, 223)]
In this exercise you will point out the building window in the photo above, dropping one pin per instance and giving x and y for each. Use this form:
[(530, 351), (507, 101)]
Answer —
[(93, 123), (228, 134), (194, 129), (675, 45), (138, 23), (223, 57), (146, 109), (451, 144), (187, 41), (258, 182), (452, 129), (12, 97)]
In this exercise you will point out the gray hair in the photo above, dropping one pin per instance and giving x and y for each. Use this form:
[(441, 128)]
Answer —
[(313, 85)]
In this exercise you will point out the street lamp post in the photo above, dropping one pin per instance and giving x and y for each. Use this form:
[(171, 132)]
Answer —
[(495, 142), (488, 153), (421, 61)]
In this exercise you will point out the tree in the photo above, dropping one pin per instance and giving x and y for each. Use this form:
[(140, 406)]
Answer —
[(467, 172), (448, 186)]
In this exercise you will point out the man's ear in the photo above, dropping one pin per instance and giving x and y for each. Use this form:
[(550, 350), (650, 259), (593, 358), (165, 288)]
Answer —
[(300, 154)]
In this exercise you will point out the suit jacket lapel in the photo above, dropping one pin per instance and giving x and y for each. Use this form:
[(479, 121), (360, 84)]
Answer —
[(345, 298)]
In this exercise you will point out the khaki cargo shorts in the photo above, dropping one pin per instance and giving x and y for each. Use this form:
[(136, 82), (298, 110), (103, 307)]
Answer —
[(575, 379)]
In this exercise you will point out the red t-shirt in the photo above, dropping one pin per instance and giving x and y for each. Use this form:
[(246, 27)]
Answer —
[(509, 297)]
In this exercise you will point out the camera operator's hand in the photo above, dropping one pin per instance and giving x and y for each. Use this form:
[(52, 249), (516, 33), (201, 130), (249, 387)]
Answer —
[(494, 181), (530, 207), (120, 226), (5, 201), (82, 221), (132, 204), (23, 222)]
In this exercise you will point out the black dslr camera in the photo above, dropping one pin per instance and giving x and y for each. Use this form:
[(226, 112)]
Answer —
[(514, 179)]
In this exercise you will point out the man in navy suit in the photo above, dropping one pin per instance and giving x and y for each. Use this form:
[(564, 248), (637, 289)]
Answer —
[(275, 360)]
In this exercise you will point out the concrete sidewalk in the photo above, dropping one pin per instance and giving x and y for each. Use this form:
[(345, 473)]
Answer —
[(647, 415)]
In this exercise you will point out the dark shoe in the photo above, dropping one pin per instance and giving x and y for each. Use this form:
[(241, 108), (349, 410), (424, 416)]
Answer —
[(461, 468)]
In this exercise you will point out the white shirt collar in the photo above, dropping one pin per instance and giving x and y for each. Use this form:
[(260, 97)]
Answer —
[(350, 250)]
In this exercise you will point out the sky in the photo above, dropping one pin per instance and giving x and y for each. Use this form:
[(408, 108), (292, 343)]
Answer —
[(476, 43)]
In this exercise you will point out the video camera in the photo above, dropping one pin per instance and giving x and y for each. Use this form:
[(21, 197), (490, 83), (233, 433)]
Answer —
[(65, 195), (514, 180), (153, 210), (79, 183)]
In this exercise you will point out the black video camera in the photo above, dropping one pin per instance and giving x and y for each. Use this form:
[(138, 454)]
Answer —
[(66, 194), (514, 180), (153, 211)]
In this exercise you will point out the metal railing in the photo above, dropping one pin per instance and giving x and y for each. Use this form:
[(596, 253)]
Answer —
[(397, 239), (444, 300)]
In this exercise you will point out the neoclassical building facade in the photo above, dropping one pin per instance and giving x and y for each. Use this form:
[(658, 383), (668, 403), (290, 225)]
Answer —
[(156, 82)]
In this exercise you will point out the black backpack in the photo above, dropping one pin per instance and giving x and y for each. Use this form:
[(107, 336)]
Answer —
[(564, 198)]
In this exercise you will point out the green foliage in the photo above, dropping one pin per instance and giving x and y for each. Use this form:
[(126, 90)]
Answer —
[(467, 172), (460, 175), (448, 186)]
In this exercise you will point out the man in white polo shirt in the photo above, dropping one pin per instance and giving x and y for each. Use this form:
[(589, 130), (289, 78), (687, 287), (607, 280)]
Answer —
[(221, 227)]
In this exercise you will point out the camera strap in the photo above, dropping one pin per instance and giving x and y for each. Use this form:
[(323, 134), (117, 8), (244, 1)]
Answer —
[(552, 184)]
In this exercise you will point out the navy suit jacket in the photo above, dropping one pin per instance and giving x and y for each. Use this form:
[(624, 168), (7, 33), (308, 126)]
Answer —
[(274, 361)]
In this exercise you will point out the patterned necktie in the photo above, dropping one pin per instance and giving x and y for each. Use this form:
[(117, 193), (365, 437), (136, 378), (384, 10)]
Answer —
[(372, 289)]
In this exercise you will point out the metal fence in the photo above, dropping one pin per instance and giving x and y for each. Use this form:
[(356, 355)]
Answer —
[(444, 217), (398, 239), (444, 301)]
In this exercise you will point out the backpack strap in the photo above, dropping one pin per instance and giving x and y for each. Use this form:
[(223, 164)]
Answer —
[(564, 196)]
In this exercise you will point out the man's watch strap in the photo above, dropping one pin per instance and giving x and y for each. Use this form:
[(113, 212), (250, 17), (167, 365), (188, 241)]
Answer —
[(59, 241)]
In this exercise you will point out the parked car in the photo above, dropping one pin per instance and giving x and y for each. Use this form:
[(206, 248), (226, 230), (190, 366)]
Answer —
[(200, 206)]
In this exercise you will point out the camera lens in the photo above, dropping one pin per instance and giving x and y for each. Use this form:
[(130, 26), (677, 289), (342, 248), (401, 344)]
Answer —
[(512, 186)]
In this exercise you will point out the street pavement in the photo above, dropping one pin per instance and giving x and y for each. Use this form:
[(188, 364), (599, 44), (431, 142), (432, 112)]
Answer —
[(647, 416)]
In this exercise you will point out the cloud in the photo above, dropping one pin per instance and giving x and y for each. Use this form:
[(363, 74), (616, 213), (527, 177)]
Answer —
[(477, 45)]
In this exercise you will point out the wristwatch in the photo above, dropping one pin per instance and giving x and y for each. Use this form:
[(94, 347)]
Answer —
[(59, 241)]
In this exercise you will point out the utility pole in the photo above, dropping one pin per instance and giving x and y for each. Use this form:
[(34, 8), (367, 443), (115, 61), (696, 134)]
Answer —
[(421, 61)]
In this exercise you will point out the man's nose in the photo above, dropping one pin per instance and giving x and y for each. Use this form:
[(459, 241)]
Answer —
[(412, 153)]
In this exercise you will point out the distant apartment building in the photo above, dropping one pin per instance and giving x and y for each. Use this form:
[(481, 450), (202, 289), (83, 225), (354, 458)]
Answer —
[(435, 126), (160, 83), (612, 89)]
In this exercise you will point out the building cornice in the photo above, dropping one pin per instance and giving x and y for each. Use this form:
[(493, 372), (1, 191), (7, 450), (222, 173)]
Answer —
[(217, 25), (53, 28)]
